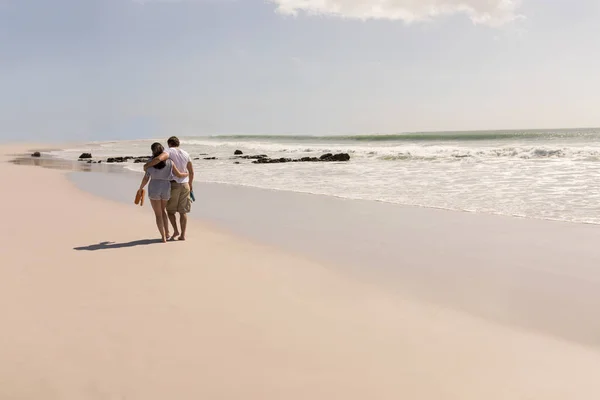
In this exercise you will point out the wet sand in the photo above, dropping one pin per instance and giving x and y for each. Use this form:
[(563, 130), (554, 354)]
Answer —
[(533, 274)]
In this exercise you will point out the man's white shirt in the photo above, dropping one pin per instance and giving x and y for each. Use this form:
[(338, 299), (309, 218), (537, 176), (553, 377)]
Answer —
[(181, 159)]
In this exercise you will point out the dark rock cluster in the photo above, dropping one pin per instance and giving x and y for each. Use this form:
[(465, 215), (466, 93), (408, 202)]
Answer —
[(88, 157), (136, 160), (256, 157), (238, 154), (341, 157)]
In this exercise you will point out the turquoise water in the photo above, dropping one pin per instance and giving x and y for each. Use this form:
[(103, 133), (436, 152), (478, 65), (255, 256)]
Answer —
[(571, 134)]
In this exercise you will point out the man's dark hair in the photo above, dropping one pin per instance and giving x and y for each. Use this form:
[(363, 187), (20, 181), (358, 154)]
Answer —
[(173, 141)]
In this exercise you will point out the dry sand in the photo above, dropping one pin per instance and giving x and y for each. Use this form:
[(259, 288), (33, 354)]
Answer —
[(218, 317)]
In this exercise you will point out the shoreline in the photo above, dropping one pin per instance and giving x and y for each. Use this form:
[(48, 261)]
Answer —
[(222, 317), (55, 162), (360, 238)]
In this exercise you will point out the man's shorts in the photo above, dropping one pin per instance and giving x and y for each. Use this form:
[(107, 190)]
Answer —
[(180, 201)]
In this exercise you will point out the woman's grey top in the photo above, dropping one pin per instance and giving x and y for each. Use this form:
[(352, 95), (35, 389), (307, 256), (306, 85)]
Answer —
[(164, 174)]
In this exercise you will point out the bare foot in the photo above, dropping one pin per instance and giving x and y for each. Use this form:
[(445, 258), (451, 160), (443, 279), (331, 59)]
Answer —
[(181, 238), (164, 239)]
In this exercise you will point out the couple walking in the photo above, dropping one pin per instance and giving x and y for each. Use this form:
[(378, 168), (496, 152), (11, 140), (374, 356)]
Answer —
[(171, 176)]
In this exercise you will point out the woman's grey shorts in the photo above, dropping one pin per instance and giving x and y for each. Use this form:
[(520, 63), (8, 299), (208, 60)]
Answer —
[(159, 189)]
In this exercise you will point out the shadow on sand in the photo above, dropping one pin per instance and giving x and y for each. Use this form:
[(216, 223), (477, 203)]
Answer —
[(113, 245)]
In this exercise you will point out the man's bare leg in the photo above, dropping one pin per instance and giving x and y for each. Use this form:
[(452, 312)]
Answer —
[(183, 222), (173, 220)]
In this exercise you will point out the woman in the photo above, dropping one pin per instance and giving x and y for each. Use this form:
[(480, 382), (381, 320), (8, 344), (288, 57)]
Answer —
[(159, 191)]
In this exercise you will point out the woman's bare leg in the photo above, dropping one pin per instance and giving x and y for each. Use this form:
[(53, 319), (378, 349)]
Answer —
[(157, 207), (165, 218)]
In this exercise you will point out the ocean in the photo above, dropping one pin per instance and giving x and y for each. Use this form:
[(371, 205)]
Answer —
[(544, 174)]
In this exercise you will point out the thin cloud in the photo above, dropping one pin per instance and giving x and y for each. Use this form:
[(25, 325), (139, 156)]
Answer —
[(485, 12)]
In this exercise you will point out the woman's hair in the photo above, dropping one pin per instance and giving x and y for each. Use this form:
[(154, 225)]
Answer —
[(157, 150)]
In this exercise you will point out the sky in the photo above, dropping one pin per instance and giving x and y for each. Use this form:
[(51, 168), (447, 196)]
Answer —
[(126, 69)]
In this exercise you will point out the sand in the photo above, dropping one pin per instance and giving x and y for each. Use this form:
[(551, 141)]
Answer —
[(535, 274), (220, 317)]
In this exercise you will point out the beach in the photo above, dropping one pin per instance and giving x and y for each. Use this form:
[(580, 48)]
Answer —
[(284, 296)]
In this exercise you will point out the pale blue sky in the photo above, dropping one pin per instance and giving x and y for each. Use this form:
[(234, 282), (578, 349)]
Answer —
[(120, 69)]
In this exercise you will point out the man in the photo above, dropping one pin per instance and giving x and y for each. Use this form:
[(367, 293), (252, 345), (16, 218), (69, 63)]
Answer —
[(180, 201)]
